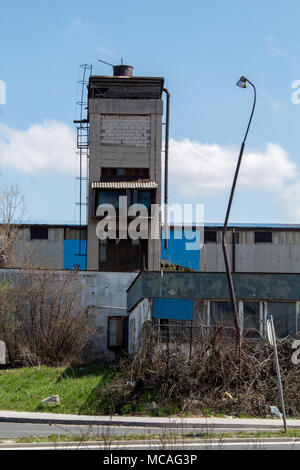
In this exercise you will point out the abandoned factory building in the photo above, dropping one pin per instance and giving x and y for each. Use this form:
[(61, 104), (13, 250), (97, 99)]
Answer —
[(128, 282)]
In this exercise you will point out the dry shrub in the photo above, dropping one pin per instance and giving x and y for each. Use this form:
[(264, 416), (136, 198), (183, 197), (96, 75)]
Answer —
[(213, 377), (9, 324), (12, 212), (46, 324)]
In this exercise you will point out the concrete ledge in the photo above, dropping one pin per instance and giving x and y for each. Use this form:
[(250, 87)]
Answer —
[(56, 418)]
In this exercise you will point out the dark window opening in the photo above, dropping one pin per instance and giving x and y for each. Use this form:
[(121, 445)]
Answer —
[(263, 237), (103, 91), (221, 314), (284, 316), (251, 320), (134, 196), (123, 255), (115, 332), (174, 331), (210, 236), (39, 233), (110, 197), (136, 172)]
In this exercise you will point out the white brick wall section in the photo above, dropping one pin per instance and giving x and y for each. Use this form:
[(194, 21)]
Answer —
[(123, 129)]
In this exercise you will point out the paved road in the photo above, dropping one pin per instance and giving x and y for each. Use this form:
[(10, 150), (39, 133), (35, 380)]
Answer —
[(196, 446), (17, 430)]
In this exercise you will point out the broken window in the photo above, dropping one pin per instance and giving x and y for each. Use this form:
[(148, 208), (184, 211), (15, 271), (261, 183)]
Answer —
[(251, 320), (221, 314), (284, 317), (263, 237)]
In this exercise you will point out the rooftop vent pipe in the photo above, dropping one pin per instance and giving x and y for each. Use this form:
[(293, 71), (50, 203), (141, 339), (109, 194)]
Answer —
[(120, 70)]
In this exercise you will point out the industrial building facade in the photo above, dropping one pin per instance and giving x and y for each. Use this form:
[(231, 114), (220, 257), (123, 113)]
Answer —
[(192, 301), (256, 249), (125, 142), (128, 282)]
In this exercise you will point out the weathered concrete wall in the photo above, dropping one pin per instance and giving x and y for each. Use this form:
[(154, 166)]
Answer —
[(209, 286), (103, 294), (124, 133), (140, 314)]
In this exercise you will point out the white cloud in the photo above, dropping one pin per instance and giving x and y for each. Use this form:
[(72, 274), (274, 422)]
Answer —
[(197, 168), (106, 51), (42, 147), (291, 201), (274, 102), (274, 48), (77, 25)]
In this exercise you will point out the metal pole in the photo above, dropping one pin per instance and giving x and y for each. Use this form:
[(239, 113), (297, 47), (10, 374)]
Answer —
[(166, 167), (225, 253), (278, 374)]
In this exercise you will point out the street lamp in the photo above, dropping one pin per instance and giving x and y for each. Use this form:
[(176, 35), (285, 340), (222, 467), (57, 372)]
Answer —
[(242, 83)]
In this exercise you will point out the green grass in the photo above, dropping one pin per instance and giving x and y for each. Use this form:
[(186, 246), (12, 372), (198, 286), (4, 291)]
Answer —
[(52, 438), (79, 388)]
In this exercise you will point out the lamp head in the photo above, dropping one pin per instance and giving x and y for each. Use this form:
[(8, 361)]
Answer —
[(242, 83)]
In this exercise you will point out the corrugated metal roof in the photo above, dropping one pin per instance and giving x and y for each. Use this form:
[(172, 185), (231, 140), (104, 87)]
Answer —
[(137, 184)]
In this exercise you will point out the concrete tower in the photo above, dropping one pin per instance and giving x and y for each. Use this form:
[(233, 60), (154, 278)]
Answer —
[(125, 120)]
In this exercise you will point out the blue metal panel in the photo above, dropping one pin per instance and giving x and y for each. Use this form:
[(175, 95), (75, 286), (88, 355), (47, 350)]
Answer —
[(172, 309), (182, 251), (71, 258)]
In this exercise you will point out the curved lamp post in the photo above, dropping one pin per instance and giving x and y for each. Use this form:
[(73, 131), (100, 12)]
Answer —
[(242, 83)]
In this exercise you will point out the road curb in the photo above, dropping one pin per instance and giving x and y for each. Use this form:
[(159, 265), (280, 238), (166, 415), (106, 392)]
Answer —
[(159, 423)]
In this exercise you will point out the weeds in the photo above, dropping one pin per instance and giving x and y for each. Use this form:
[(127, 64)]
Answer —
[(213, 380)]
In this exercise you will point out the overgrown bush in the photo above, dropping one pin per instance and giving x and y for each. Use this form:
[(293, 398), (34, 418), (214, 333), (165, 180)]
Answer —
[(214, 377), (41, 320)]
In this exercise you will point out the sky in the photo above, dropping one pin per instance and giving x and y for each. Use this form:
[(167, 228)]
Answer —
[(201, 49)]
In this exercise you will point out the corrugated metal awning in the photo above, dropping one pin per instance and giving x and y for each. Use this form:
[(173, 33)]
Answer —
[(136, 184)]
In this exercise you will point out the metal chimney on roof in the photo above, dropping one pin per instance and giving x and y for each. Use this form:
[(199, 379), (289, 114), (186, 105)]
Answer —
[(123, 70)]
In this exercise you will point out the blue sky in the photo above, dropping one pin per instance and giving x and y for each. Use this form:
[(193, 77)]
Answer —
[(201, 48)]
